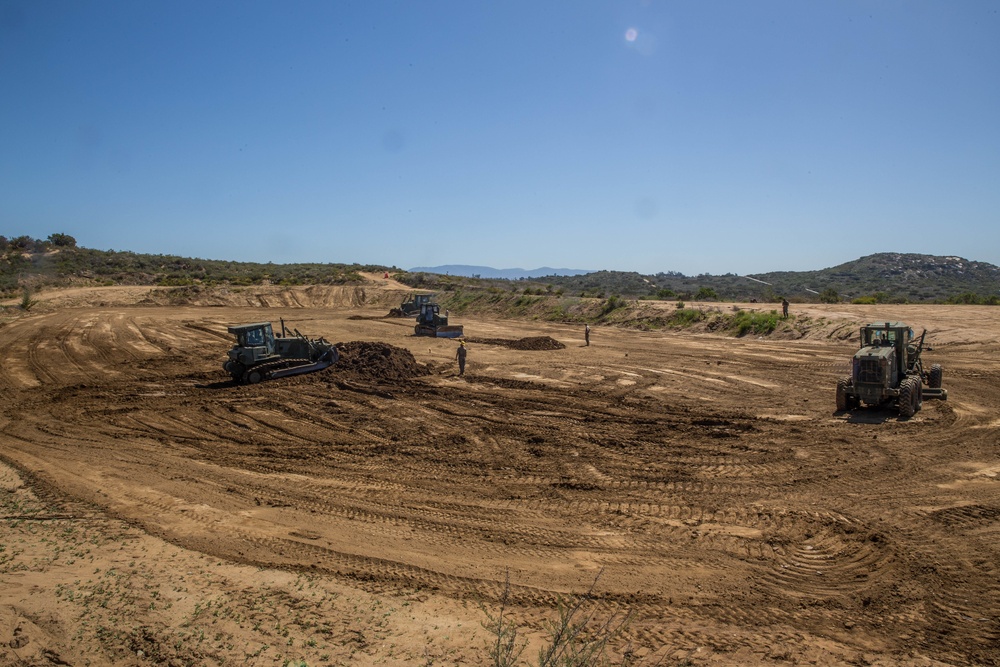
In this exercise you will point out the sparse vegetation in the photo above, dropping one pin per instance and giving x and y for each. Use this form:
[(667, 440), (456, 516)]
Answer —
[(684, 317), (505, 645), (576, 636), (59, 262), (829, 295), (706, 294), (27, 301), (748, 322), (876, 279)]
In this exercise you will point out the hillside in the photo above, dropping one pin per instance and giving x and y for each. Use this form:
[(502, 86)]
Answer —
[(912, 277), (32, 264), (879, 278)]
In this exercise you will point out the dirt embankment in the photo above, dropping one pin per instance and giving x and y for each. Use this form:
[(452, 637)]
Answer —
[(966, 325)]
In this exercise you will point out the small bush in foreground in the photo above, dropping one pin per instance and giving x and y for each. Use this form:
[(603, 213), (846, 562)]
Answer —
[(577, 638), (27, 303)]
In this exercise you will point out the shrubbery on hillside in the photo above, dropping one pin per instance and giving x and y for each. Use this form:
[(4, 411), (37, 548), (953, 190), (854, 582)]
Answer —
[(877, 279), (57, 261)]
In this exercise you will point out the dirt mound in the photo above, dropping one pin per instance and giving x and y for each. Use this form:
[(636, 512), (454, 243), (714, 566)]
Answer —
[(378, 362), (536, 343), (531, 343)]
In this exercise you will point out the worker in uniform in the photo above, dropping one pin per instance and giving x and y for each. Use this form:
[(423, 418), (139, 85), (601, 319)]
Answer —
[(784, 307), (586, 333), (460, 355)]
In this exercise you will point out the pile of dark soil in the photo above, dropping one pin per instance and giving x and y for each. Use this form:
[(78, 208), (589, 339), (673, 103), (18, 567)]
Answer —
[(536, 343), (376, 362), (532, 343)]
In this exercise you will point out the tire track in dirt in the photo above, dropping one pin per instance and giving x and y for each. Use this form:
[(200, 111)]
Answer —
[(717, 527), (39, 358)]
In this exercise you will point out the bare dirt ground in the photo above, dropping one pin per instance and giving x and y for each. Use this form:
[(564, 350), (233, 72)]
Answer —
[(154, 513)]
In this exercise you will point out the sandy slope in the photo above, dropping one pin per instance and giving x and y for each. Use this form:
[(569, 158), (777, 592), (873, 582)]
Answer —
[(150, 506)]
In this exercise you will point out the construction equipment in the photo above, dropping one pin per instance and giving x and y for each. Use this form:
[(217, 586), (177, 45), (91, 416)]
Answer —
[(430, 322), (411, 307), (887, 369), (260, 355)]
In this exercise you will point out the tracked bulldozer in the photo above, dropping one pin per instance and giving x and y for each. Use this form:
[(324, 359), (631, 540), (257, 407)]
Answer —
[(430, 322), (888, 370), (261, 355)]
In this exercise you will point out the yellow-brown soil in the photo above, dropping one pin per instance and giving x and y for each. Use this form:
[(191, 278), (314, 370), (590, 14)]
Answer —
[(154, 513)]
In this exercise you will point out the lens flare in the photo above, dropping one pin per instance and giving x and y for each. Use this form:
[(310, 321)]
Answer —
[(631, 35)]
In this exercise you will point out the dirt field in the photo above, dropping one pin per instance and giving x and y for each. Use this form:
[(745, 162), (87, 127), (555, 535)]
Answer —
[(154, 513)]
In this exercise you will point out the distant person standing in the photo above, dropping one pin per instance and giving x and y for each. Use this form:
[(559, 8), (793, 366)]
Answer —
[(784, 307), (586, 334), (460, 355)]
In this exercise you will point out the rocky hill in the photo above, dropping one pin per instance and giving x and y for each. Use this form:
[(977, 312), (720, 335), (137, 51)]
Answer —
[(910, 277)]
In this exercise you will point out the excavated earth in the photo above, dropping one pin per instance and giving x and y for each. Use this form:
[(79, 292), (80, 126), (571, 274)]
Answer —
[(529, 343), (378, 511)]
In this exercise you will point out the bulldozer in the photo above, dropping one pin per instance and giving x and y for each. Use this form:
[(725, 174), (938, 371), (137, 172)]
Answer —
[(888, 370), (261, 355), (430, 322), (411, 307)]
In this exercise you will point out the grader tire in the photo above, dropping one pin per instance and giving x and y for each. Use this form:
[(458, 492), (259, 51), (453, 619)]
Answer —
[(907, 401), (843, 400), (934, 382)]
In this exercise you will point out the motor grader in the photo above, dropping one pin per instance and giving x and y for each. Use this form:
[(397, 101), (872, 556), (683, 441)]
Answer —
[(888, 370), (261, 355)]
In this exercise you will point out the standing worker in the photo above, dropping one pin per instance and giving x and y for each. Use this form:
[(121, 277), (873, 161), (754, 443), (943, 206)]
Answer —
[(460, 355), (586, 334), (784, 307)]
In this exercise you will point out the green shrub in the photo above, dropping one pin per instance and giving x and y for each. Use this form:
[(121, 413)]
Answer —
[(614, 302), (829, 295), (27, 303), (685, 317), (760, 324)]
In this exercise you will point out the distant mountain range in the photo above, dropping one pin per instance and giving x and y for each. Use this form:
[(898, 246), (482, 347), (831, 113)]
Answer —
[(489, 272)]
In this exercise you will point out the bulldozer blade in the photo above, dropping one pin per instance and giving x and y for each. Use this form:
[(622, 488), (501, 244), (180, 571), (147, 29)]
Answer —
[(451, 331)]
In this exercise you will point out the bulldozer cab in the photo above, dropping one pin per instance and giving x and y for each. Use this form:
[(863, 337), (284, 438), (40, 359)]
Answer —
[(259, 334), (430, 314)]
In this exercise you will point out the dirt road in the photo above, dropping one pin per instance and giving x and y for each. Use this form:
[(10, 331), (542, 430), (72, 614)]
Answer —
[(155, 512)]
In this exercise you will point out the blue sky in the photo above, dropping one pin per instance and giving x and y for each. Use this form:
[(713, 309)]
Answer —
[(701, 137)]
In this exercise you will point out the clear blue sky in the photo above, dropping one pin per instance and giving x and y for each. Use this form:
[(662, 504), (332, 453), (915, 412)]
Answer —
[(701, 137)]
